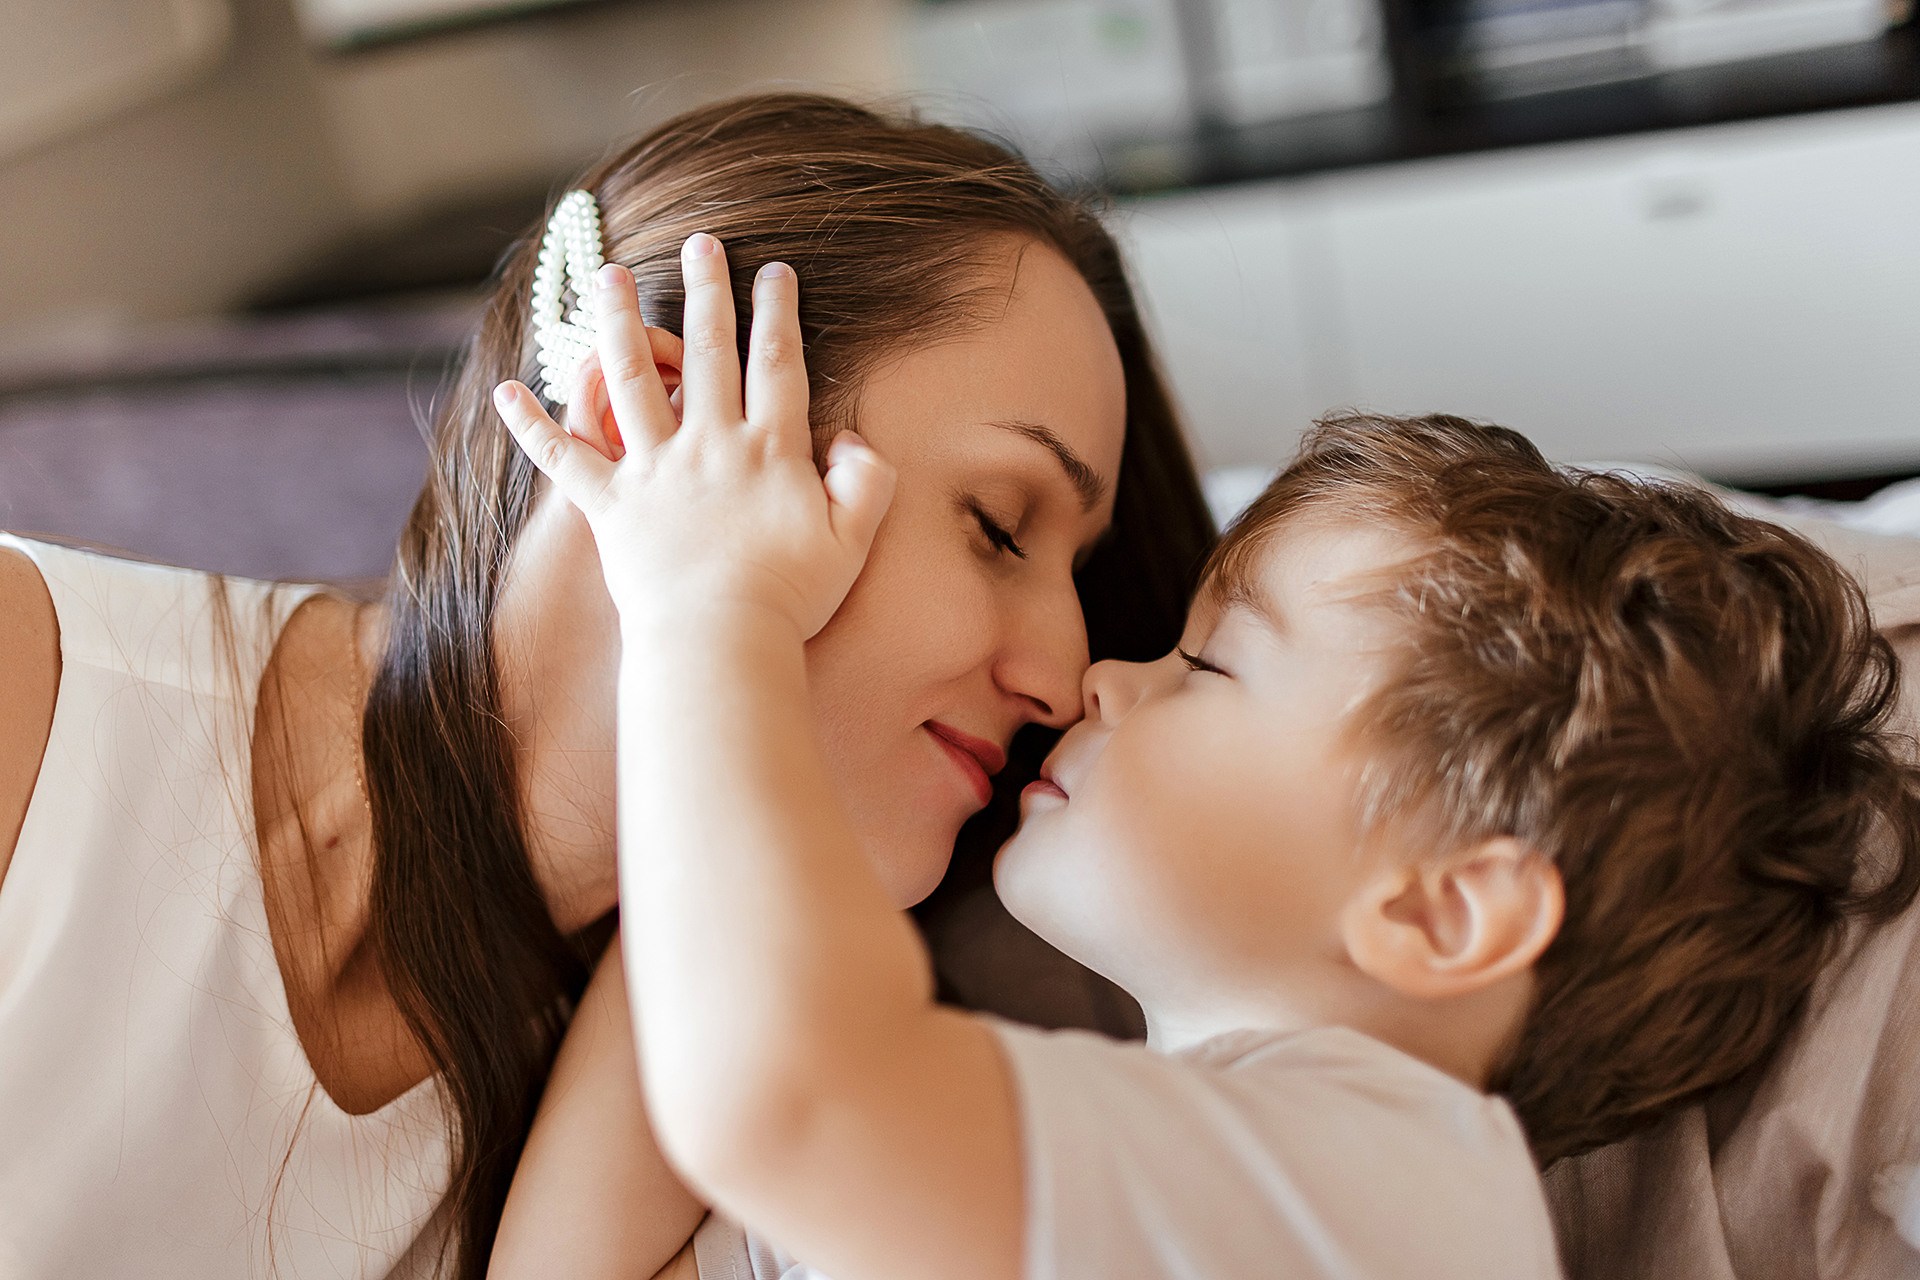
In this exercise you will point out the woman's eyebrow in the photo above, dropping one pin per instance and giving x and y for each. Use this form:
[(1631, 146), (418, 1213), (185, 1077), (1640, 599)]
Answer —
[(1085, 480)]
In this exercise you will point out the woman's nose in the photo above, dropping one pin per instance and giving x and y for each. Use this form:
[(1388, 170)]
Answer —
[(1045, 657)]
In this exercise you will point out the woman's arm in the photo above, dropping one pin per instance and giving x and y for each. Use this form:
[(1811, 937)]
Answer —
[(593, 1197), (797, 1069), (30, 637)]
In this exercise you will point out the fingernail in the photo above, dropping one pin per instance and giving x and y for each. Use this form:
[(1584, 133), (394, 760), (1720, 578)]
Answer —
[(775, 271), (503, 395), (607, 278), (700, 244)]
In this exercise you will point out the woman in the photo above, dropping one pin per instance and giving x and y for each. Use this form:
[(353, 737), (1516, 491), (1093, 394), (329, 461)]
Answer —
[(295, 983)]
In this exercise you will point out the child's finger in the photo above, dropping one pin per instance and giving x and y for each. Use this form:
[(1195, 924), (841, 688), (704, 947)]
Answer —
[(859, 490), (776, 365), (634, 389), (574, 466), (589, 414), (710, 386), (589, 410), (669, 356)]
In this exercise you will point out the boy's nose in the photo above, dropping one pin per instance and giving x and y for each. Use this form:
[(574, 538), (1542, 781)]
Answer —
[(1113, 688)]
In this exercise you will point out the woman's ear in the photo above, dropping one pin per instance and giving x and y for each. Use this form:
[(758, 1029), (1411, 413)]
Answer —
[(1452, 926), (597, 425)]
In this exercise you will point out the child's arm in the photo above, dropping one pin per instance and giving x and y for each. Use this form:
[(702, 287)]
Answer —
[(796, 1066), (593, 1196)]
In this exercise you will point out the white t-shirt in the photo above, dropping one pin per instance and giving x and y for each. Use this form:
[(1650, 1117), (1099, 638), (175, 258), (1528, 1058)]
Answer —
[(1321, 1154)]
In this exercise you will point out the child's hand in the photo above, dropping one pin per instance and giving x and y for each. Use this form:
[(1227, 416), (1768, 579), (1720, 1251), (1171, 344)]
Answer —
[(724, 508)]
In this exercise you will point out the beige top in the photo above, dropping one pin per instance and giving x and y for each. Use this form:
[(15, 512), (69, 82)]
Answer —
[(158, 1117), (1321, 1155)]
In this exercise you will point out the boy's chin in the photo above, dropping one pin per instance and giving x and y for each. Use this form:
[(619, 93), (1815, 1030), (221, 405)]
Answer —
[(1050, 887), (1022, 880)]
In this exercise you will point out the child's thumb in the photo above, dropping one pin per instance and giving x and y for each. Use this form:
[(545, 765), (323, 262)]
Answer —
[(859, 490)]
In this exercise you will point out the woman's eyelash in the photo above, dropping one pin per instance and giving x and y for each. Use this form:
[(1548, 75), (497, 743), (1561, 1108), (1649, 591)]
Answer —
[(1196, 663), (997, 535)]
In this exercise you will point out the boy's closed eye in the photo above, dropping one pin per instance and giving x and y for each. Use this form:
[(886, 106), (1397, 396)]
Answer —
[(1197, 663)]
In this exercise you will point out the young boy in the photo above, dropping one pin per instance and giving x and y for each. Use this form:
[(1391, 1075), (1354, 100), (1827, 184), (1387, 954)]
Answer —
[(1474, 788)]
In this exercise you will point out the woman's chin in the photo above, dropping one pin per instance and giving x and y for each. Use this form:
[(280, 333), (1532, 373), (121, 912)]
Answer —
[(912, 868)]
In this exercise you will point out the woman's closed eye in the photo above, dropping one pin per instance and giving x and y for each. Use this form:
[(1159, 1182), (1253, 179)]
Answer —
[(995, 532)]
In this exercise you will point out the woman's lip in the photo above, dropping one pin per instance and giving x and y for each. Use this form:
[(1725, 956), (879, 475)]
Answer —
[(1043, 787), (968, 764), (992, 759)]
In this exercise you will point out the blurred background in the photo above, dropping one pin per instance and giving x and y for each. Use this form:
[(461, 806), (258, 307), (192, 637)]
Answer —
[(244, 237)]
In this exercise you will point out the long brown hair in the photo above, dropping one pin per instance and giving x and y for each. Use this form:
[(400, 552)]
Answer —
[(887, 220)]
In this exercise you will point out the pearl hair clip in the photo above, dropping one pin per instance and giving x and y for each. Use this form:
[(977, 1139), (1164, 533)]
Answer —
[(569, 256)]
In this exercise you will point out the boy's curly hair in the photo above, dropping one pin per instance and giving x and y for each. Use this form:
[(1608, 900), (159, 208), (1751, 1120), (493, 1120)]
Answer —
[(1687, 709)]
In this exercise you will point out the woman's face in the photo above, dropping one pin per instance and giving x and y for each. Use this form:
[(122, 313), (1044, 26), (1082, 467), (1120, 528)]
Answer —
[(950, 633)]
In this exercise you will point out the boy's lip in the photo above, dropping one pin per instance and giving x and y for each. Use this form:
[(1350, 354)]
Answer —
[(1047, 781), (1053, 766)]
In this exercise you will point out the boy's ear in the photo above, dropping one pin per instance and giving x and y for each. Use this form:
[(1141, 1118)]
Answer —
[(589, 413), (1452, 926)]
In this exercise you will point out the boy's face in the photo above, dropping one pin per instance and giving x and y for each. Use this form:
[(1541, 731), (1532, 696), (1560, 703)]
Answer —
[(1204, 837)]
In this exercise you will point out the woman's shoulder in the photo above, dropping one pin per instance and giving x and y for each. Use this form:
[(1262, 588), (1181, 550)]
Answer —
[(159, 623), (128, 623), (30, 637)]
